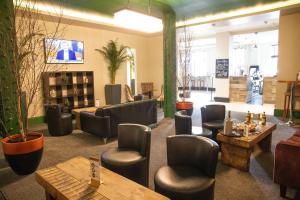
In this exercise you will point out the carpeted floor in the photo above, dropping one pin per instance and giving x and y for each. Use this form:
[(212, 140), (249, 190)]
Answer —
[(231, 184)]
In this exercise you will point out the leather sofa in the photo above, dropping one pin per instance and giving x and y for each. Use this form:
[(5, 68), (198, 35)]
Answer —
[(59, 123), (190, 173), (104, 122), (131, 157), (287, 163), (183, 125)]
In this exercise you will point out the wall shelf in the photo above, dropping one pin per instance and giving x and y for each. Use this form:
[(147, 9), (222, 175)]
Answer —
[(71, 89)]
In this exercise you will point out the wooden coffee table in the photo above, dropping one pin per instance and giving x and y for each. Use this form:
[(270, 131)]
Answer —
[(236, 151), (77, 111), (69, 180)]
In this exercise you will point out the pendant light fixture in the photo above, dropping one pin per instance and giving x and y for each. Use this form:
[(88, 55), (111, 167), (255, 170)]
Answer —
[(129, 19)]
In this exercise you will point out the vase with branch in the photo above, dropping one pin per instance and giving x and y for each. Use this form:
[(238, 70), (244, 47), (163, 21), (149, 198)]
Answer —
[(115, 55), (22, 32), (184, 48)]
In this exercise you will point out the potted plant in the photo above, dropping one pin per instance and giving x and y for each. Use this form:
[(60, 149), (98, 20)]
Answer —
[(115, 55), (184, 48), (22, 65)]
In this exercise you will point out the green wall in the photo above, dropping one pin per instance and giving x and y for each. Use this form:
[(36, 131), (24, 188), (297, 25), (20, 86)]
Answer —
[(8, 90), (169, 45)]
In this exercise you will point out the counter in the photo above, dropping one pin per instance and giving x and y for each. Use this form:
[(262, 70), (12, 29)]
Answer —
[(269, 90), (240, 90)]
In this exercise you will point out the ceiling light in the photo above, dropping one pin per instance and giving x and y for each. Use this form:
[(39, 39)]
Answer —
[(137, 21), (129, 19)]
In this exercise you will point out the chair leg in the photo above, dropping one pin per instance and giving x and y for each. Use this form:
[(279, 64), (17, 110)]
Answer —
[(105, 140), (282, 191), (284, 108)]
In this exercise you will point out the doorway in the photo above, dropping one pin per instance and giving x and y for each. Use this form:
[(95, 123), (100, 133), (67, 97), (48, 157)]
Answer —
[(131, 70)]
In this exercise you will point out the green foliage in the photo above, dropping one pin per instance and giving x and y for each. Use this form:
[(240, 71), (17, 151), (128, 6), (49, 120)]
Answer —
[(115, 56)]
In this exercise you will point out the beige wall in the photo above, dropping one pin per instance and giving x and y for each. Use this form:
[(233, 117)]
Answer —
[(148, 51), (289, 52)]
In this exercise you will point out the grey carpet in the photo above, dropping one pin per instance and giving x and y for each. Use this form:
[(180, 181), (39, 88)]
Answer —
[(231, 184)]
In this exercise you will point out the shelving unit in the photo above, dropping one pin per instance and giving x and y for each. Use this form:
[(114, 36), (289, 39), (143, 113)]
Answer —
[(70, 89)]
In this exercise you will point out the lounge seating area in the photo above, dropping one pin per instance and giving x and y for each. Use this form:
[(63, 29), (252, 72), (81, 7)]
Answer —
[(149, 100)]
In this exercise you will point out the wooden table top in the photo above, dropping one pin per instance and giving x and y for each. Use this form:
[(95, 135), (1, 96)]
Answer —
[(87, 109), (251, 140), (69, 180)]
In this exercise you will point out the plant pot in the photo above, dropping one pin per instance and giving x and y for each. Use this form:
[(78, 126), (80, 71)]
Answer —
[(185, 105), (113, 94), (24, 157)]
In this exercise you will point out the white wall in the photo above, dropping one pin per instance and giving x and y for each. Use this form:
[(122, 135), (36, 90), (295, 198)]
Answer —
[(289, 48)]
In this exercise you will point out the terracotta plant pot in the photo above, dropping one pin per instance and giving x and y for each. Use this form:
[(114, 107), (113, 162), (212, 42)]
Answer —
[(185, 105), (24, 157)]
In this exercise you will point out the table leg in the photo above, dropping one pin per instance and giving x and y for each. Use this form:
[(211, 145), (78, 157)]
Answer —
[(266, 143), (48, 196), (291, 114), (235, 156)]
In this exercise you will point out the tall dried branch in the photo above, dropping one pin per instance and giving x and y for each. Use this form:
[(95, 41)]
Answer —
[(31, 29)]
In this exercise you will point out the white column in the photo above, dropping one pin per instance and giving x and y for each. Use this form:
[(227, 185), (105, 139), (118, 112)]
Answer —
[(222, 52)]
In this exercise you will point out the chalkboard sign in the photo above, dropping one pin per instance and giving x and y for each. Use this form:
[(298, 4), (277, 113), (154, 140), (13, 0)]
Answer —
[(222, 68)]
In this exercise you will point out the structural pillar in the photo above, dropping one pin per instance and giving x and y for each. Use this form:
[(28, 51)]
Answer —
[(8, 88), (222, 52), (169, 45)]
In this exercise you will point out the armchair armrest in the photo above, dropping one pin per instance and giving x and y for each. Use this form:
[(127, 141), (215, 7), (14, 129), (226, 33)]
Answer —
[(96, 125), (287, 163)]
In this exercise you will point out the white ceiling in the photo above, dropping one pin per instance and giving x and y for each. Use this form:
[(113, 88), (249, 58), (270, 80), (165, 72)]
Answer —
[(267, 21)]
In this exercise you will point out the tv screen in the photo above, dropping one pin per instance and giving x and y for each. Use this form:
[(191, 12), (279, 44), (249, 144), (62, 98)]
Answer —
[(63, 51)]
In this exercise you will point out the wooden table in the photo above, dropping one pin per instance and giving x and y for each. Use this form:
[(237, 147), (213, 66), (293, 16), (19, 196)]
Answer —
[(69, 180), (77, 111), (236, 151), (291, 112)]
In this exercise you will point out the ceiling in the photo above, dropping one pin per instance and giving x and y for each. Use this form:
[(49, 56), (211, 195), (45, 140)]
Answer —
[(261, 22), (183, 8), (196, 8)]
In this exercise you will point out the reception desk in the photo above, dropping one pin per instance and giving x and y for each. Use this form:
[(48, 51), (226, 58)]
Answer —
[(240, 89), (269, 90)]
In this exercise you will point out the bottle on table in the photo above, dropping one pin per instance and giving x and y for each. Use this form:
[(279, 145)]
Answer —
[(228, 124), (248, 118), (263, 119)]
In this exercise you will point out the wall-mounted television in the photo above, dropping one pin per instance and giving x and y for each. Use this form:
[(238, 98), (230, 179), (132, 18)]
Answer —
[(63, 51)]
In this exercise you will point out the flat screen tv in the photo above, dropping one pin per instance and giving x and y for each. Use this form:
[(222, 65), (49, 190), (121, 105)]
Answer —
[(63, 51)]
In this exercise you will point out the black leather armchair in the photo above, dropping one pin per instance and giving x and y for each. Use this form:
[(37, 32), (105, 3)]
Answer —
[(183, 125), (131, 157), (213, 118), (188, 177), (58, 123)]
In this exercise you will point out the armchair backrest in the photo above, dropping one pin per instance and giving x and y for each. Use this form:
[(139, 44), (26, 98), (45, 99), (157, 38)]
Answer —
[(128, 93), (183, 123), (161, 95), (136, 137), (147, 87), (190, 150), (212, 112)]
